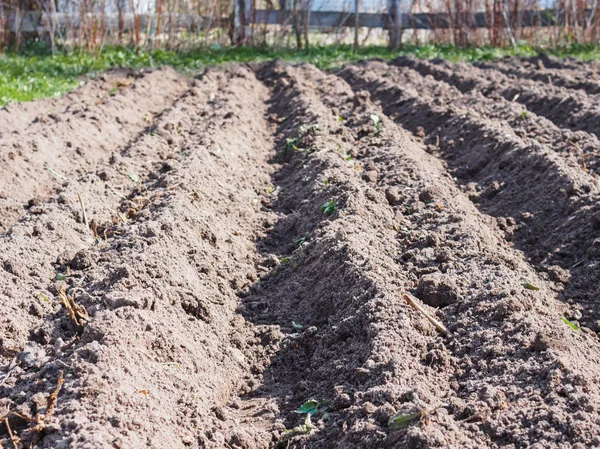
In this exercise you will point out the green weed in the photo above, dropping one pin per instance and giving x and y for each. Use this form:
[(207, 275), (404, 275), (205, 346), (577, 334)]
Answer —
[(530, 286), (329, 207), (570, 323)]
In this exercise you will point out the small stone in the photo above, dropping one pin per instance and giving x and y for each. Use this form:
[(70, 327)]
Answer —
[(430, 193), (393, 195), (81, 261), (220, 413), (342, 401), (370, 176), (437, 290), (14, 267), (270, 261), (491, 190), (32, 356), (558, 274)]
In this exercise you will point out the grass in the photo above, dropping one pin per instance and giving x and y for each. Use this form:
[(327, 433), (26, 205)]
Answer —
[(34, 73)]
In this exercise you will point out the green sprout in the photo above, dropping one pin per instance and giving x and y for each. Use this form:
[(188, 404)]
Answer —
[(302, 429), (301, 241), (291, 143), (377, 122), (569, 323), (530, 286), (344, 154), (309, 407), (329, 207), (399, 421), (305, 129), (294, 143)]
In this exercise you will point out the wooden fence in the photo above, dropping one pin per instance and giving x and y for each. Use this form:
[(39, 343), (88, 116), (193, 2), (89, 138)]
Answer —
[(34, 21)]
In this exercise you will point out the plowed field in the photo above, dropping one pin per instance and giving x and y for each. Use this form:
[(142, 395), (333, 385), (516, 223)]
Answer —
[(203, 263)]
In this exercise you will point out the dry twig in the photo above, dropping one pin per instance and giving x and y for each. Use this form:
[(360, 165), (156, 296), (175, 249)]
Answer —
[(16, 441), (412, 301), (85, 218)]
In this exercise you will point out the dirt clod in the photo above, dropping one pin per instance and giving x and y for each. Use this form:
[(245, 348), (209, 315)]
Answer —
[(437, 290)]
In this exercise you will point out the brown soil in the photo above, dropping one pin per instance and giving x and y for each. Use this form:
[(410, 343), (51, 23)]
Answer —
[(251, 235), (548, 71), (568, 108)]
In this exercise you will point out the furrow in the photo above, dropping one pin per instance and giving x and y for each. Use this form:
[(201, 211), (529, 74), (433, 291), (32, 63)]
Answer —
[(578, 147), (544, 202), (576, 79), (16, 117), (163, 344), (566, 108), (57, 148), (522, 328)]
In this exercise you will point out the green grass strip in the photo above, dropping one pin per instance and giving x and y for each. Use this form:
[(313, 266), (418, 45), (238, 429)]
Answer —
[(34, 74)]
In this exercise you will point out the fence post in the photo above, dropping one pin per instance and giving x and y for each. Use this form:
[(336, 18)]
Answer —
[(356, 23), (239, 21), (395, 23)]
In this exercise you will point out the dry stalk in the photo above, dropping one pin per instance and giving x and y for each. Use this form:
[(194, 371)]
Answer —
[(85, 218), (77, 313), (40, 419), (412, 301)]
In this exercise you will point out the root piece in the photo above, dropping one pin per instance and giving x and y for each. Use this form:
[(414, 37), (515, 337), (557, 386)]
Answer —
[(16, 441), (54, 396), (40, 419), (412, 301)]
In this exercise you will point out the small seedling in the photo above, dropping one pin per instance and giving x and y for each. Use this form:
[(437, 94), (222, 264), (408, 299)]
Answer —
[(326, 182), (344, 154), (302, 429), (570, 324), (305, 129), (296, 325), (524, 114), (340, 118), (530, 286), (285, 259), (377, 122), (399, 421), (309, 407), (61, 276), (329, 207), (294, 143), (301, 242), (291, 143)]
